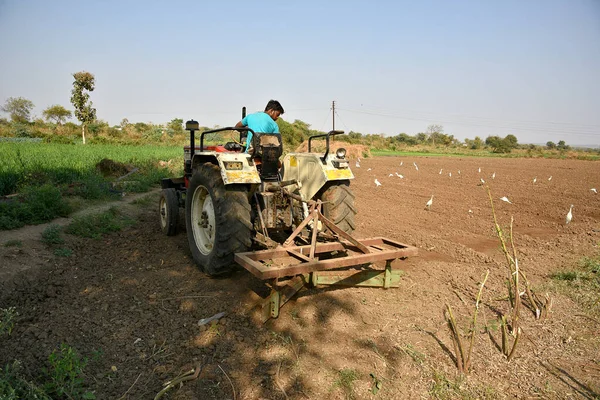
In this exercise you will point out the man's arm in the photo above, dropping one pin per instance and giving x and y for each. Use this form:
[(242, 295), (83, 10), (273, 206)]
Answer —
[(239, 125)]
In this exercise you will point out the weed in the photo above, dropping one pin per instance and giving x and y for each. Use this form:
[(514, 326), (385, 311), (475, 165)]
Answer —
[(65, 374), (443, 388), (36, 205), (345, 381), (13, 243), (13, 386), (63, 252), (95, 225), (582, 283), (144, 201), (51, 235), (7, 320), (413, 353)]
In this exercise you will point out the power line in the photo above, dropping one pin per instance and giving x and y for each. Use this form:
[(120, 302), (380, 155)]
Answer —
[(468, 123)]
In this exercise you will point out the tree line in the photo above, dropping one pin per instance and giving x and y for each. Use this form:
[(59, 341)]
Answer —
[(56, 128)]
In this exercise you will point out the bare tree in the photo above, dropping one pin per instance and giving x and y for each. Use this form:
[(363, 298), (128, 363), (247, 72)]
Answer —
[(433, 131)]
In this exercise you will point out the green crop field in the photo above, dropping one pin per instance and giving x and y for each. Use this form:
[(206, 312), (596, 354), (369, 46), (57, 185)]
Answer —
[(24, 164), (47, 177)]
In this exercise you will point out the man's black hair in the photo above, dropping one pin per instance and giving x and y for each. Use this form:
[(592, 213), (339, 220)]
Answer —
[(275, 106)]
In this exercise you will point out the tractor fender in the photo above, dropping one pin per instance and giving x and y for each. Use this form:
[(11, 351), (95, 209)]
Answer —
[(313, 172), (235, 168)]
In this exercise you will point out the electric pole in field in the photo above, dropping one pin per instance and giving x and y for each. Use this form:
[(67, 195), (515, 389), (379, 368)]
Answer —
[(333, 113)]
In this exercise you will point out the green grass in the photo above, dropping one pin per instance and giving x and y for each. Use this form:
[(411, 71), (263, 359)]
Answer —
[(96, 225), (51, 235), (581, 284), (443, 388), (13, 243), (63, 252), (345, 381), (48, 178)]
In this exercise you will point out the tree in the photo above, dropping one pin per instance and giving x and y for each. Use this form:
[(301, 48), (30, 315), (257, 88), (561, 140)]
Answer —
[(57, 113), (19, 109), (562, 145), (433, 131), (85, 113), (550, 145), (511, 141)]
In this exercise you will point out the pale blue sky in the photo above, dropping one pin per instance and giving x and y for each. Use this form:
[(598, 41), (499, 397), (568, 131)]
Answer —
[(529, 68)]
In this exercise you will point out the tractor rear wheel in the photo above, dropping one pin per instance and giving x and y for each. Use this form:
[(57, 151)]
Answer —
[(217, 219), (168, 211), (339, 205)]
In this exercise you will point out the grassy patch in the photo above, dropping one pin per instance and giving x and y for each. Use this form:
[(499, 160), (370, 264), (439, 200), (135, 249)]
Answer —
[(144, 201), (51, 235), (35, 206), (581, 284), (96, 225), (443, 388), (13, 243), (63, 252), (345, 381), (14, 386)]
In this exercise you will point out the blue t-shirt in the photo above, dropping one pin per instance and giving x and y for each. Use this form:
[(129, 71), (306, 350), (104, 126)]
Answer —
[(259, 122)]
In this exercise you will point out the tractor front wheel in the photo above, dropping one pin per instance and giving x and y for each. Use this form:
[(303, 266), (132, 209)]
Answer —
[(217, 219), (339, 205)]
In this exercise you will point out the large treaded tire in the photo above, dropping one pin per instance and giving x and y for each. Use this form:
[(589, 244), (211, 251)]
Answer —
[(228, 229), (168, 210), (339, 205)]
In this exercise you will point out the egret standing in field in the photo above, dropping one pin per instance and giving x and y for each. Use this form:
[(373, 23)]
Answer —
[(400, 175), (357, 164), (594, 190), (401, 163), (479, 170), (481, 179), (505, 199), (441, 169), (494, 175), (535, 179), (570, 214), (450, 174), (377, 183), (550, 178), (429, 203), (416, 167)]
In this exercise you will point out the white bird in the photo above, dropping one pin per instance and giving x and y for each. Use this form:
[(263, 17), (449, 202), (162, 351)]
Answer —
[(377, 183), (481, 179), (415, 164), (441, 171), (450, 174), (479, 170), (535, 179), (494, 175), (368, 169), (459, 171), (429, 203), (505, 199), (570, 214), (594, 190), (470, 211), (357, 164), (358, 159), (550, 178), (401, 163), (400, 175), (391, 175)]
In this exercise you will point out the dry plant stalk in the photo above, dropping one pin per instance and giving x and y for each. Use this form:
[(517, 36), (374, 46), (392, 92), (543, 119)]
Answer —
[(463, 358), (514, 292)]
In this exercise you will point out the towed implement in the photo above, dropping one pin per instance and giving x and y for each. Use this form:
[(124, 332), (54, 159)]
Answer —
[(289, 222)]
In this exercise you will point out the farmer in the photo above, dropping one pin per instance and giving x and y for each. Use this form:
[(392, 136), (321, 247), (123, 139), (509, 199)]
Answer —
[(263, 122)]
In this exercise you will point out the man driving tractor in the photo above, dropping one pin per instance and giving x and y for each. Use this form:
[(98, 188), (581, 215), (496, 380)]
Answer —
[(263, 122)]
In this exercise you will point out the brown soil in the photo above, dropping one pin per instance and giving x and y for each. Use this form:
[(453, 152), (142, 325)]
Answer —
[(137, 297)]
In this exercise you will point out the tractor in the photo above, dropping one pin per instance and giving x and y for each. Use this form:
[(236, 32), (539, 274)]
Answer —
[(276, 218), (235, 201)]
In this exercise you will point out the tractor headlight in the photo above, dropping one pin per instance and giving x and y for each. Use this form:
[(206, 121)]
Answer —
[(233, 165), (340, 153)]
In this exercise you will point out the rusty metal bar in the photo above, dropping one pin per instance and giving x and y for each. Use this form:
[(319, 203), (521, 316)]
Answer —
[(369, 278), (269, 308), (343, 234), (252, 260)]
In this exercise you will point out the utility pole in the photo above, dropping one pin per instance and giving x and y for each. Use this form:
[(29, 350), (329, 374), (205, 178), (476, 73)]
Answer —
[(333, 113)]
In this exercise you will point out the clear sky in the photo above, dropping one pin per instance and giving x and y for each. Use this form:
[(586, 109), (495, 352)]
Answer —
[(529, 68)]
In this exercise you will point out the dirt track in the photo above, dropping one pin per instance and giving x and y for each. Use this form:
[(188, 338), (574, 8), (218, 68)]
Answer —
[(137, 297)]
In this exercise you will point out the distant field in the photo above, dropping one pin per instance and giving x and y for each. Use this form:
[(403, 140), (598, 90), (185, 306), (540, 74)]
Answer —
[(37, 163), (454, 152)]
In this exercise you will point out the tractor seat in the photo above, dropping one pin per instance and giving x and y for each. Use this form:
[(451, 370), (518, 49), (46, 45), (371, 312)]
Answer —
[(267, 148)]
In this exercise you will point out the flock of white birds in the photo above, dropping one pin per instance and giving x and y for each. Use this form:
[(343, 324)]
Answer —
[(429, 203)]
